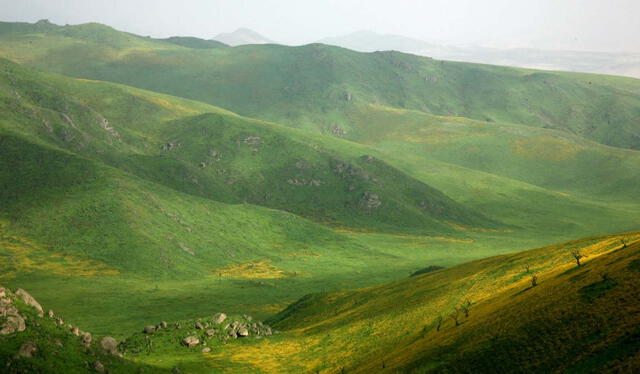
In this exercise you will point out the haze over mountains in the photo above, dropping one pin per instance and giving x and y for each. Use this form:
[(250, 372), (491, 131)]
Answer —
[(614, 63), (242, 36), (149, 184), (627, 64)]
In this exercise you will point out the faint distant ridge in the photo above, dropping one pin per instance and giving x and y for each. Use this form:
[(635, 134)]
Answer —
[(370, 41), (242, 36), (618, 63)]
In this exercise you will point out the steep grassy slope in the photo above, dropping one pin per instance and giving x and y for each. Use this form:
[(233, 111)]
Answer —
[(46, 344), (119, 237), (313, 85), (76, 206), (223, 156), (575, 319)]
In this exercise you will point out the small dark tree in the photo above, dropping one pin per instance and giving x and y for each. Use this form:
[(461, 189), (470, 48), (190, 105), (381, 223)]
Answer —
[(625, 242), (439, 323), (455, 316), (534, 280), (527, 268), (465, 308), (577, 256)]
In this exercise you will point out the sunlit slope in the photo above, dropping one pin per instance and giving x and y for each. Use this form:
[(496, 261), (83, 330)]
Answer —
[(222, 156), (312, 86), (576, 319), (554, 160)]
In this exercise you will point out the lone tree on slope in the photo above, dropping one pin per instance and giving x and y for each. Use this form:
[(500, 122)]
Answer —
[(577, 256), (534, 280), (625, 242), (465, 308)]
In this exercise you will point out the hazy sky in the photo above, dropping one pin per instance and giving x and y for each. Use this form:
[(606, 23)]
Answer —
[(606, 25)]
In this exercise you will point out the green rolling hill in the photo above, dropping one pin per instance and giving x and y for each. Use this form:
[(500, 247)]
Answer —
[(575, 319), (169, 179), (312, 86), (227, 158)]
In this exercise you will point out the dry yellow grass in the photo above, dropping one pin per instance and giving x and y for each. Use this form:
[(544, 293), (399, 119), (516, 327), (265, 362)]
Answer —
[(262, 269), (382, 328), (545, 148), (26, 257)]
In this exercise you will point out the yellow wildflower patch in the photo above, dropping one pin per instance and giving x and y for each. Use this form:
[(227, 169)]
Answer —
[(25, 256), (545, 148), (262, 269)]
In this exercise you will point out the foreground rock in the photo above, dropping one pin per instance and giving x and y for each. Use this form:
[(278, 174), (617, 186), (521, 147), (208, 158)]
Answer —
[(150, 329), (191, 341), (219, 318), (13, 321), (109, 345), (29, 300), (27, 350)]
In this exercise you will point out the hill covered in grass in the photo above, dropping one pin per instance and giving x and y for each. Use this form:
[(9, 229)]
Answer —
[(312, 86), (483, 316), (34, 342), (224, 157)]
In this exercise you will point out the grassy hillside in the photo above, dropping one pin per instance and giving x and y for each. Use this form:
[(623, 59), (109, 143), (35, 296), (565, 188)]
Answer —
[(224, 157), (47, 344), (97, 202), (312, 86), (554, 160), (575, 319)]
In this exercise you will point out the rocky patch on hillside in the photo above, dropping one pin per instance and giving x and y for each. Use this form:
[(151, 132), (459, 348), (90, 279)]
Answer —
[(199, 334), (34, 341)]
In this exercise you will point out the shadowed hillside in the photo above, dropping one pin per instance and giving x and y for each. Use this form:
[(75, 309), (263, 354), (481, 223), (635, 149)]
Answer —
[(225, 157)]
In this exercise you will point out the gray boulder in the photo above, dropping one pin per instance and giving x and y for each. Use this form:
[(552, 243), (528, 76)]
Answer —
[(206, 350), (109, 345), (199, 326), (219, 317), (86, 339), (190, 341), (243, 332), (29, 300), (27, 349), (149, 329)]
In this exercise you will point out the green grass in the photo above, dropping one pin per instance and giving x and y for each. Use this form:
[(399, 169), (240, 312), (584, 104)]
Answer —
[(144, 207), (308, 86), (58, 351)]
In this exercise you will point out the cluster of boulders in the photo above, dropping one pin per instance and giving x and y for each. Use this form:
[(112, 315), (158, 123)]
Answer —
[(219, 326), (370, 201), (304, 182), (10, 319)]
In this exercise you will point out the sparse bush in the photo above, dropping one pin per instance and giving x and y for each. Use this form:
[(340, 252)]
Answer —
[(577, 256), (534, 280), (465, 308)]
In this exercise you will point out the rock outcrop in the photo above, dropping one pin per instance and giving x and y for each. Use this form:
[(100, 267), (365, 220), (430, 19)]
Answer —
[(29, 300)]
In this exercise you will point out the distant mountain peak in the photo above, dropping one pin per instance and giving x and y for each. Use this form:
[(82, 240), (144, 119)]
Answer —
[(242, 36)]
